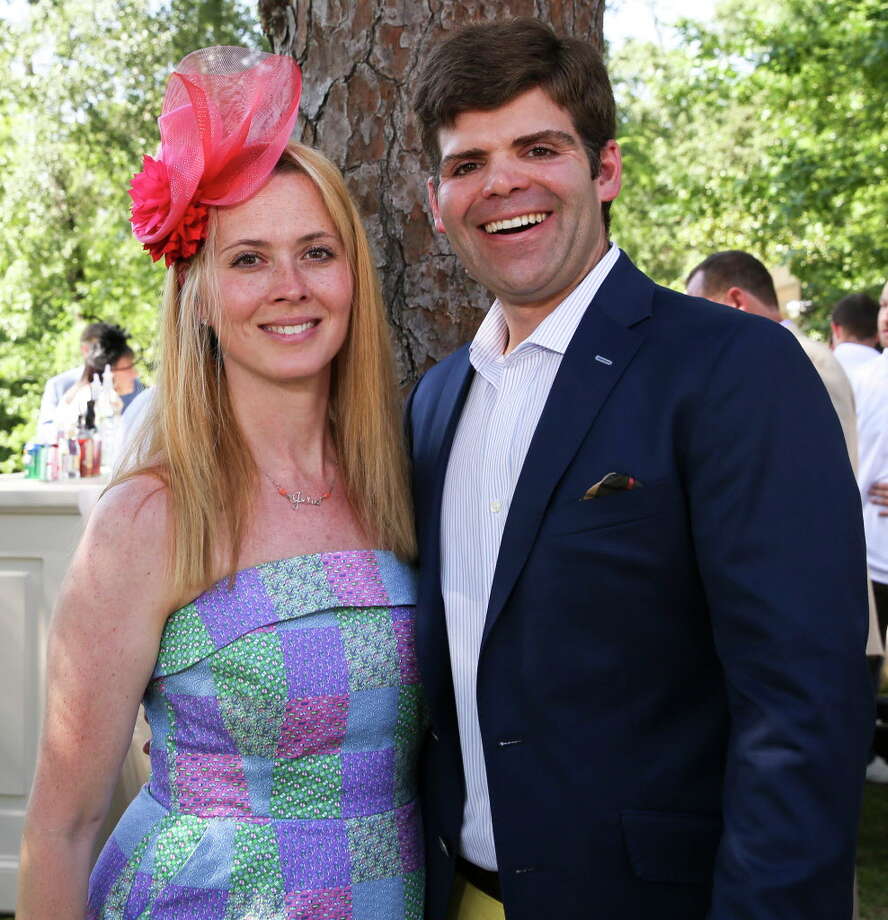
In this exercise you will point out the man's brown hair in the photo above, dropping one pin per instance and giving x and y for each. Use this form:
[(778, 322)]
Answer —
[(736, 268), (485, 66), (858, 315)]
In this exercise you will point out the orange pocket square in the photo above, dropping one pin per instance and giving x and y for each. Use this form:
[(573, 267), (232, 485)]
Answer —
[(611, 484)]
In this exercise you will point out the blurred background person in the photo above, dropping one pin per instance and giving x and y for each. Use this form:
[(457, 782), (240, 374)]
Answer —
[(131, 426), (738, 279), (125, 375), (854, 332), (110, 349), (871, 393), (57, 386)]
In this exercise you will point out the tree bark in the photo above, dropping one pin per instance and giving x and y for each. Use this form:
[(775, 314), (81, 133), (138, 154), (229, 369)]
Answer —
[(357, 58)]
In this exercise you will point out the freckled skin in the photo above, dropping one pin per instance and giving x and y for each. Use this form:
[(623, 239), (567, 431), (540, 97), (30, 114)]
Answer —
[(280, 259)]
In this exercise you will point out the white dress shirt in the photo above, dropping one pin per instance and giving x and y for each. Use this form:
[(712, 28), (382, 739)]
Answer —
[(854, 357), (871, 393), (55, 389), (131, 428), (503, 407)]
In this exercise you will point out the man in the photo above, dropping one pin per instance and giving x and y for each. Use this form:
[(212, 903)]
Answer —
[(854, 332), (127, 384), (642, 703), (111, 349), (57, 386), (871, 393), (738, 279)]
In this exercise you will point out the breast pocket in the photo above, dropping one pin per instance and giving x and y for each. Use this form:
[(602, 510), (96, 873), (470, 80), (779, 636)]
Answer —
[(575, 515)]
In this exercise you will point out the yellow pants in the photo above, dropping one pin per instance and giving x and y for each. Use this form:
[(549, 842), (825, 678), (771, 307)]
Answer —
[(470, 903)]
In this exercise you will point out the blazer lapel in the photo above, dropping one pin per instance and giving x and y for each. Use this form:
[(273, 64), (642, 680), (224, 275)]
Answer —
[(431, 630), (579, 390), (448, 408)]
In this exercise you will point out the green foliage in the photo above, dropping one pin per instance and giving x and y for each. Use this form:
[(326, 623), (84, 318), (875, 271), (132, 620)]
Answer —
[(872, 853), (78, 106), (764, 132)]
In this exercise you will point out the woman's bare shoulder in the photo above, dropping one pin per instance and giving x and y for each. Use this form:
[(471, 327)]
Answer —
[(127, 541), (135, 513), (142, 500)]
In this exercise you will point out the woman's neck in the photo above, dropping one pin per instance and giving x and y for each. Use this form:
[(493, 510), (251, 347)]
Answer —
[(285, 426)]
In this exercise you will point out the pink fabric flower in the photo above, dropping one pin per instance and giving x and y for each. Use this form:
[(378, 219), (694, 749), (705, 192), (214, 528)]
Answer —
[(185, 239), (227, 116), (150, 192)]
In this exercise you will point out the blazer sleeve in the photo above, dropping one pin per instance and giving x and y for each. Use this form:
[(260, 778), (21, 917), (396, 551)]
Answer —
[(778, 534)]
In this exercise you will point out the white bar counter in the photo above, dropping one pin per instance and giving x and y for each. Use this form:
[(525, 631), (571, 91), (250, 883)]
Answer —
[(40, 525)]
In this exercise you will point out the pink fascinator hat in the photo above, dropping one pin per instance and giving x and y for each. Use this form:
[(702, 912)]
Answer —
[(227, 116)]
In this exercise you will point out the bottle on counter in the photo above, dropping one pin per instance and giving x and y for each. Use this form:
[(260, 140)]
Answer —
[(31, 460), (108, 409), (50, 467), (87, 443), (69, 455)]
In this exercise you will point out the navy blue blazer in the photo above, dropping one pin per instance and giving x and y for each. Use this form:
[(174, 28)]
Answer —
[(672, 690)]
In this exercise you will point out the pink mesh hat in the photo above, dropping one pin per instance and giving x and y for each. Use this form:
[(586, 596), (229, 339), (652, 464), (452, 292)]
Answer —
[(227, 115)]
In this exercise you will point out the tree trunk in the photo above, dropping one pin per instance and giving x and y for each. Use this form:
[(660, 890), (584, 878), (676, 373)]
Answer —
[(357, 58)]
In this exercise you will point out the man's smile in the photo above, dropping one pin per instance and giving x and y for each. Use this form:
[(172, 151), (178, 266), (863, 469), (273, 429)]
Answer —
[(515, 224)]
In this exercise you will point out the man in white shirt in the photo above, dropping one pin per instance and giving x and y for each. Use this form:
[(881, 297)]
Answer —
[(871, 392), (854, 332), (57, 386), (872, 410), (626, 628)]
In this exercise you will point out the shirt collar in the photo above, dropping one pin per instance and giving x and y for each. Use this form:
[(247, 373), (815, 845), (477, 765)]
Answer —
[(553, 333), (859, 351)]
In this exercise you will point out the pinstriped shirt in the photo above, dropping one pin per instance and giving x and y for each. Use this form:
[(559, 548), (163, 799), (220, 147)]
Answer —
[(503, 407)]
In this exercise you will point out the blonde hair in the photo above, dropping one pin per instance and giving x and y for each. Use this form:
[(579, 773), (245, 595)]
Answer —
[(191, 437)]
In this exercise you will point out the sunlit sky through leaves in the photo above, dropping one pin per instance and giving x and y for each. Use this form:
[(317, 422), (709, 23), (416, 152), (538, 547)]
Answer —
[(650, 20), (646, 20)]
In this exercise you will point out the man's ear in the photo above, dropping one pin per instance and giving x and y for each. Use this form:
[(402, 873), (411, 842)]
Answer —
[(432, 190), (737, 298), (610, 175)]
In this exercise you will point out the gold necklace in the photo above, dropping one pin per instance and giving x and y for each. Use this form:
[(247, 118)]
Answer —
[(298, 497)]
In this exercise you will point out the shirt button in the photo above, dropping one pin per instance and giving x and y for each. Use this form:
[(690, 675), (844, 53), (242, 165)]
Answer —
[(496, 506)]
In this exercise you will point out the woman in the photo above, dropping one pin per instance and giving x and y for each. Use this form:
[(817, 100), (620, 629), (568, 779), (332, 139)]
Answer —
[(248, 574)]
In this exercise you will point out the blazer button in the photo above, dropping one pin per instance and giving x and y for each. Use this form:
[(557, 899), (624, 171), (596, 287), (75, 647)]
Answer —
[(444, 848), (434, 735)]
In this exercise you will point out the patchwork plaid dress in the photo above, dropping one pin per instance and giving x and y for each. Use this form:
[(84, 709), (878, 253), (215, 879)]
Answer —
[(285, 716)]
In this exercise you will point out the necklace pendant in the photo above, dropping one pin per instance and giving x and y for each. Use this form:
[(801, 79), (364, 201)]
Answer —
[(298, 497)]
